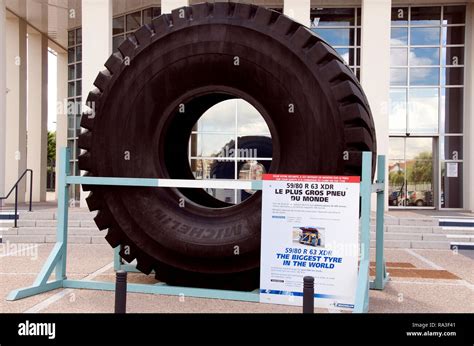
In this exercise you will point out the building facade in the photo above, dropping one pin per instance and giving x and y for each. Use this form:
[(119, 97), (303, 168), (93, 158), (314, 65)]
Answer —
[(415, 60)]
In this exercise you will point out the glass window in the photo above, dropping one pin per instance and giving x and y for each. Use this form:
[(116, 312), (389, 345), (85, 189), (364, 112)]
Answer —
[(424, 36), (399, 57), (399, 76), (118, 25), (71, 72), (452, 56), (425, 15), (396, 150), (333, 17), (398, 111), (453, 35), (78, 53), (78, 88), (156, 11), (214, 145), (79, 71), (116, 41), (423, 110), (134, 21), (71, 130), (424, 76), (70, 55), (452, 76), (424, 56), (399, 15), (79, 36), (454, 15), (147, 16), (71, 89), (337, 37), (452, 102), (344, 53), (399, 37), (71, 41)]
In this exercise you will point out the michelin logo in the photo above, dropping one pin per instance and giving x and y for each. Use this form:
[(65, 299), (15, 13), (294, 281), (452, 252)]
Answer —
[(37, 329)]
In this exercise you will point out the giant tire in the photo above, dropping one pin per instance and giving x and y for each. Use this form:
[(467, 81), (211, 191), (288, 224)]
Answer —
[(317, 113)]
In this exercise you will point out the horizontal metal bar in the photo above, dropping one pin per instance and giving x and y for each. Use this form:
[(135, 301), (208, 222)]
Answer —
[(164, 289), (179, 183)]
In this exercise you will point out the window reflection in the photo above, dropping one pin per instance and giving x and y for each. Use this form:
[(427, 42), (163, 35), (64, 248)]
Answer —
[(424, 76), (231, 140), (424, 56), (423, 110), (399, 57), (399, 37), (424, 36), (425, 15), (337, 37), (398, 110), (399, 76), (411, 172)]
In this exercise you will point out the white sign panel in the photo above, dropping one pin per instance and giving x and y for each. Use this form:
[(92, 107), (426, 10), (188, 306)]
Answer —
[(310, 227), (452, 169)]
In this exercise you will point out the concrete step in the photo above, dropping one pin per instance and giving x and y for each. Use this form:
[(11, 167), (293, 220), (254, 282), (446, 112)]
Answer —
[(414, 244), (73, 239), (454, 230), (399, 236), (52, 215), (52, 231), (53, 223), (410, 229)]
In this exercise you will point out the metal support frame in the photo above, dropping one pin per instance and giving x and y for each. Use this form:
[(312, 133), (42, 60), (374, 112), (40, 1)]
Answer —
[(57, 258)]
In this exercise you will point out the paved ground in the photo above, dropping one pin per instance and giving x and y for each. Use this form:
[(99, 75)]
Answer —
[(406, 292)]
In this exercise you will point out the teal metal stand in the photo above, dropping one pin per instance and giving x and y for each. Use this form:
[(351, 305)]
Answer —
[(57, 259)]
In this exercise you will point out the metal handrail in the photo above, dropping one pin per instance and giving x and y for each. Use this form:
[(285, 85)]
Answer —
[(15, 187)]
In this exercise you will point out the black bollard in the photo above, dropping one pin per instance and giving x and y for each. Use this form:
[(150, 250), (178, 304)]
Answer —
[(121, 292), (308, 295)]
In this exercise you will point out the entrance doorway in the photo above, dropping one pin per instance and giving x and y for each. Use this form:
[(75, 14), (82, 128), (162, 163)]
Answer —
[(410, 172)]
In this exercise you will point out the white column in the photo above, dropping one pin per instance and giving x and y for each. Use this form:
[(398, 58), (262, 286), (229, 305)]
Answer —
[(61, 109), (168, 5), (3, 100), (469, 113), (96, 46), (298, 10), (375, 68), (16, 63), (38, 111)]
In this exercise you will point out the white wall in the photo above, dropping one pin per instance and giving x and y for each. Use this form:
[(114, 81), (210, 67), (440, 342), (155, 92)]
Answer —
[(469, 113), (96, 46), (375, 68), (3, 100), (298, 10), (16, 63), (37, 149), (168, 5)]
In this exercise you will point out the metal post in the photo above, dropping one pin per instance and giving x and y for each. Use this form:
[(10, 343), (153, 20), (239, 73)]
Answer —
[(16, 205), (308, 295), (31, 188), (379, 250), (63, 204), (121, 292)]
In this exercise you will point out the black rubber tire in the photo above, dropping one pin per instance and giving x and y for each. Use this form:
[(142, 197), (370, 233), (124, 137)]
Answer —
[(317, 113)]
